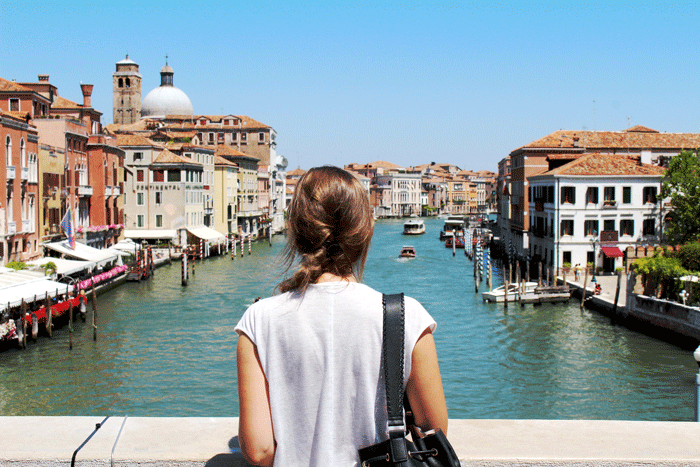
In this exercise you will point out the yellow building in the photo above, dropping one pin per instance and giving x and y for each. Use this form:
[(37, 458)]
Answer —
[(52, 162), (225, 195)]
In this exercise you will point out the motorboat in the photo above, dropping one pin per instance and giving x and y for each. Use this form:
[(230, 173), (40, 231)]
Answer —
[(458, 240), (515, 292), (414, 227), (453, 225), (407, 251)]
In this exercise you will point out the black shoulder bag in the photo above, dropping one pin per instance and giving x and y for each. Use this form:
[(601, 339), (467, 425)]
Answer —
[(426, 449)]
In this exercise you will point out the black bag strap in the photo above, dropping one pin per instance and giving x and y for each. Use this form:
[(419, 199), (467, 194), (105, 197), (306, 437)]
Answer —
[(393, 352)]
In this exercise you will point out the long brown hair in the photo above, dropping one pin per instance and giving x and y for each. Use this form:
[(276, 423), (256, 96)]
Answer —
[(329, 227)]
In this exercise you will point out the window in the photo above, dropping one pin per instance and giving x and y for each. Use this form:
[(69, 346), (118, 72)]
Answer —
[(139, 198), (627, 227), (121, 82), (8, 150), (649, 227), (127, 81), (649, 194), (609, 225), (139, 175), (609, 194), (173, 175), (159, 220), (211, 138), (567, 227), (158, 175), (14, 105), (159, 197), (568, 194), (261, 138), (592, 195), (626, 194), (566, 257), (244, 138), (22, 153), (139, 220), (221, 136), (590, 228), (138, 156)]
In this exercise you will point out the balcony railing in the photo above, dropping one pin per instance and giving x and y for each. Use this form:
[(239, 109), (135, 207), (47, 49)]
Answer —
[(10, 172), (116, 191), (108, 191), (85, 190), (609, 204), (27, 226), (11, 228), (25, 173)]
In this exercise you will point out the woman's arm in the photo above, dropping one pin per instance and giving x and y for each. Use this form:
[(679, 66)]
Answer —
[(255, 433), (424, 388)]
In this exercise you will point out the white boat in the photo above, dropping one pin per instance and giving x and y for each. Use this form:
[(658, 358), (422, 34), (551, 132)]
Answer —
[(414, 227), (454, 225), (515, 292)]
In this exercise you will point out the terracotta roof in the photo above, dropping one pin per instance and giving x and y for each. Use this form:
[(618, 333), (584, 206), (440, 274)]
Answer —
[(636, 137), (61, 103), (6, 85), (384, 165), (215, 121), (167, 157), (224, 150), (19, 116), (292, 181), (296, 172), (218, 160), (563, 157), (126, 140), (141, 125), (605, 165)]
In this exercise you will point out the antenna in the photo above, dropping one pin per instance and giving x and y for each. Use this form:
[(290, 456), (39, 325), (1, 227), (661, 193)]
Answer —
[(629, 125)]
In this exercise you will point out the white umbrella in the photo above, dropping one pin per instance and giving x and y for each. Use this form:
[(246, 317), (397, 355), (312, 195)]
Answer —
[(689, 279)]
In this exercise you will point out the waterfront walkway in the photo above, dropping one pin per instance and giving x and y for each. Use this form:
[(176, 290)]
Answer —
[(51, 441), (608, 285)]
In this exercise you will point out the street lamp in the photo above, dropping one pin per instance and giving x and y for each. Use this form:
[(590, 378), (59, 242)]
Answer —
[(696, 355)]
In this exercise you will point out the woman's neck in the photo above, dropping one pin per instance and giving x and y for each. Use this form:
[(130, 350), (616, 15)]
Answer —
[(330, 277)]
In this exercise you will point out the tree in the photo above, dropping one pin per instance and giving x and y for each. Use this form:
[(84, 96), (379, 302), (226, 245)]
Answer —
[(681, 183)]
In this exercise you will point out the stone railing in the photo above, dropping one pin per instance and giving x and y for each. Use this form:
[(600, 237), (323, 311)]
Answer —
[(212, 441), (85, 190), (10, 172), (11, 228)]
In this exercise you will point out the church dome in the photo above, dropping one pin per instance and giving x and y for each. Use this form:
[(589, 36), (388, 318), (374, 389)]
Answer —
[(166, 99)]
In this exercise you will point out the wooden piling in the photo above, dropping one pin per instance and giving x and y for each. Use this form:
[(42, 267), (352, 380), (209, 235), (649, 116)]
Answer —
[(49, 315), (23, 310), (519, 295), (505, 289), (193, 259), (583, 292), (94, 313), (70, 322), (184, 267), (617, 292), (539, 273)]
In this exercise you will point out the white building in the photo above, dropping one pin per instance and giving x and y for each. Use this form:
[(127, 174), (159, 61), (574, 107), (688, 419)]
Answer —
[(592, 209)]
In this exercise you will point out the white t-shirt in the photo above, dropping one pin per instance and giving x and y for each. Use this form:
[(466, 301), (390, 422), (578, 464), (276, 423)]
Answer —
[(321, 355)]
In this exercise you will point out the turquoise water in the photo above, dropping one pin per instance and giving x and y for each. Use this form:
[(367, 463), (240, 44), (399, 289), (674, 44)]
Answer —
[(168, 350)]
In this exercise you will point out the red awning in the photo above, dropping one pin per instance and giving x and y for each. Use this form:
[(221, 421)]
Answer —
[(612, 252)]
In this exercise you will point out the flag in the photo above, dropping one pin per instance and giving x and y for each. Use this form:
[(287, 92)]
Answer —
[(67, 227)]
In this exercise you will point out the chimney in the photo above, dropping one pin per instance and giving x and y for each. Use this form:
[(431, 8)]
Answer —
[(87, 92), (576, 141), (43, 78)]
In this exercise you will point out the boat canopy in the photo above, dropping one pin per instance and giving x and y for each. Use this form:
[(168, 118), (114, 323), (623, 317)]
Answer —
[(206, 233), (151, 234), (65, 266), (16, 286), (83, 252)]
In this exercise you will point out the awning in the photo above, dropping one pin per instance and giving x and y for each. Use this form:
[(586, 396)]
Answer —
[(612, 252), (25, 285), (205, 233), (65, 266), (83, 252), (127, 245), (151, 234)]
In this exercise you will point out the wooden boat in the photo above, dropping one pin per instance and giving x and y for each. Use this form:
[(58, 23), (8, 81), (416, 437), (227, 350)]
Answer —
[(458, 239), (414, 227), (407, 252), (530, 293)]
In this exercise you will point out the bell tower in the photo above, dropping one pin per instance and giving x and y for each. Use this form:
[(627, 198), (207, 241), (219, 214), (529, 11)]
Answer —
[(126, 92)]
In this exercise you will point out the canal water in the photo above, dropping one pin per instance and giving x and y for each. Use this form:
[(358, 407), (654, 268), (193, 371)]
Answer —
[(167, 350)]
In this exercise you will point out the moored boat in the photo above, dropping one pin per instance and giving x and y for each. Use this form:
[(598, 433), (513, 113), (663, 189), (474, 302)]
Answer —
[(407, 251), (515, 292), (414, 227), (458, 239), (453, 225)]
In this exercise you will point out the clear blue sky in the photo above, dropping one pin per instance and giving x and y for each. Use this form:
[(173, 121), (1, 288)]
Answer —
[(408, 83)]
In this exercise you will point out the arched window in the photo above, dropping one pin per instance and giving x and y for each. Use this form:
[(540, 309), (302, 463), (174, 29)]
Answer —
[(128, 83), (8, 150), (121, 82), (23, 152)]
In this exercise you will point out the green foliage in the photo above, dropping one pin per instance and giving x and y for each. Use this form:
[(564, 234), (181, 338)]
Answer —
[(661, 275), (681, 184), (16, 265), (689, 256), (49, 268)]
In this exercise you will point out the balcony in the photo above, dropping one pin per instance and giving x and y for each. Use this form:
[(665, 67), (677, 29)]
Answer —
[(108, 191), (609, 204), (10, 172), (608, 236), (85, 190), (25, 174), (11, 228), (26, 226), (116, 191)]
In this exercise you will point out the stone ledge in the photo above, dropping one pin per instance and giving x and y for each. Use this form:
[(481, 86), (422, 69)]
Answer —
[(212, 442)]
